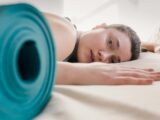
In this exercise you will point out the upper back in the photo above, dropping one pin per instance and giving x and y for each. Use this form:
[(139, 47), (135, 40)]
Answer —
[(64, 33)]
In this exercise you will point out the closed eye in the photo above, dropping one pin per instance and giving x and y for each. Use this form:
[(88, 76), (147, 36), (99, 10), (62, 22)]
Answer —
[(109, 43), (111, 59), (114, 59)]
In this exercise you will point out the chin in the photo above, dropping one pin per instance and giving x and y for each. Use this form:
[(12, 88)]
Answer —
[(82, 60)]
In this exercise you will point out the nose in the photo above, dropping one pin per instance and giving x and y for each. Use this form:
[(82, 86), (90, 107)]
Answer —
[(104, 56)]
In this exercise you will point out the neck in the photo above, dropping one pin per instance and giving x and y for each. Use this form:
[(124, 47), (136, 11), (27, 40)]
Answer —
[(73, 57), (79, 35)]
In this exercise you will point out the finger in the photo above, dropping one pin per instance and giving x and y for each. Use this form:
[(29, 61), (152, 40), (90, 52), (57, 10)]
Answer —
[(156, 76), (148, 69), (149, 73), (156, 73), (144, 69), (134, 81), (136, 68), (123, 67), (136, 74)]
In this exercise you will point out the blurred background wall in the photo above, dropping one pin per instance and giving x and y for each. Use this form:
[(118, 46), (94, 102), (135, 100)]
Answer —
[(53, 6), (142, 15)]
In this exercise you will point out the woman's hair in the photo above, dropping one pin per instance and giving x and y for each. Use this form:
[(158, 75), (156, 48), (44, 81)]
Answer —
[(135, 41)]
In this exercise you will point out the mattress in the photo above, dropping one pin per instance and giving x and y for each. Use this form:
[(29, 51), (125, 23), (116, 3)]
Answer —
[(107, 102)]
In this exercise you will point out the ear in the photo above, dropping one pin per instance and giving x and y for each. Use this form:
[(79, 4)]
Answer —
[(103, 25)]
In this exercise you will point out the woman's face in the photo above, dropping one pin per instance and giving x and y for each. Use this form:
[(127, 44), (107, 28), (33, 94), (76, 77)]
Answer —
[(104, 45)]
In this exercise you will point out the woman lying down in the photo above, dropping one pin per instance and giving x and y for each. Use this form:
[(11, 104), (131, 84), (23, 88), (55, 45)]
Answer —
[(84, 57)]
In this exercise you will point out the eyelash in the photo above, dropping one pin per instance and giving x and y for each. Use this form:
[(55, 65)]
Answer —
[(114, 60)]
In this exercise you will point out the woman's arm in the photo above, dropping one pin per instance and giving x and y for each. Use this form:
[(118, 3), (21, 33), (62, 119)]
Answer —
[(103, 74), (150, 46), (65, 73)]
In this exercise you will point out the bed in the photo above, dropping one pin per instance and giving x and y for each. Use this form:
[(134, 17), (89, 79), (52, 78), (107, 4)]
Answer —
[(104, 102)]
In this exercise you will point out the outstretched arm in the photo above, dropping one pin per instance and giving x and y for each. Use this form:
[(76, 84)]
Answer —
[(150, 46), (65, 73), (103, 74)]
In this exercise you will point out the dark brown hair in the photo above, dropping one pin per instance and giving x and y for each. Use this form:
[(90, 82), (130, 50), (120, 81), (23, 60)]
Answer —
[(135, 40)]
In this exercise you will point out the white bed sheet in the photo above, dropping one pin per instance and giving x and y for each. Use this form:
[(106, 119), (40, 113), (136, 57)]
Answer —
[(103, 102)]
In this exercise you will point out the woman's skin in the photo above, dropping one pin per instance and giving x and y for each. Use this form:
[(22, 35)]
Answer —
[(96, 49), (104, 45), (151, 47)]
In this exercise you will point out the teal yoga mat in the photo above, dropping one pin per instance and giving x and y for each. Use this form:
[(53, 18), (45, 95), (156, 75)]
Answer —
[(27, 62)]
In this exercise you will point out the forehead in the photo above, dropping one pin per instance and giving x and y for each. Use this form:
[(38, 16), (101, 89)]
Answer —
[(124, 50)]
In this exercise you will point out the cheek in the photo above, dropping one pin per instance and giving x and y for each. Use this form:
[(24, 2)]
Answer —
[(98, 43)]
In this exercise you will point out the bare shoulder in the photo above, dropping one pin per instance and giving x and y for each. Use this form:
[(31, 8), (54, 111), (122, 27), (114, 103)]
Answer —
[(65, 35)]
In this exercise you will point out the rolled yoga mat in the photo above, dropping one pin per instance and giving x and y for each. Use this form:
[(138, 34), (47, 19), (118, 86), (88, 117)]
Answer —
[(27, 62)]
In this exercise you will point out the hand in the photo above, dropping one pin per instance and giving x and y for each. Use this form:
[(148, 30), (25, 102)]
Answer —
[(150, 46), (157, 49), (113, 74)]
